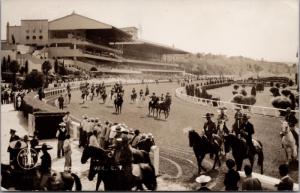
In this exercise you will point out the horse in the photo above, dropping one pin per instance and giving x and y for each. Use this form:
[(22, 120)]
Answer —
[(288, 142), (29, 180), (153, 105), (113, 178), (240, 151), (103, 97), (222, 131), (133, 97), (201, 147), (118, 104), (165, 107)]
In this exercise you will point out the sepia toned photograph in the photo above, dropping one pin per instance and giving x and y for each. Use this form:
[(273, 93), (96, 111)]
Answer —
[(161, 95)]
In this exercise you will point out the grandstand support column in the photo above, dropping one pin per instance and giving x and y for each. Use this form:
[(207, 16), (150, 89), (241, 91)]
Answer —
[(74, 47)]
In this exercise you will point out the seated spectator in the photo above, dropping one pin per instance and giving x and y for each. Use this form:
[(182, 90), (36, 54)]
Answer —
[(231, 177), (286, 182), (250, 183)]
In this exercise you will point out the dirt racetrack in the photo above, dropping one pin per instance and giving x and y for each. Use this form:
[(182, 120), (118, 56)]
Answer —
[(177, 158)]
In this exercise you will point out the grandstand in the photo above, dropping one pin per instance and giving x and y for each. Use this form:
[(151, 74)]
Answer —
[(83, 43)]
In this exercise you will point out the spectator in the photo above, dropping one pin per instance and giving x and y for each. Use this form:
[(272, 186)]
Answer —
[(61, 102), (203, 180), (286, 182), (93, 140), (136, 138), (231, 177), (68, 152), (61, 136), (250, 183), (45, 168), (67, 121), (35, 141)]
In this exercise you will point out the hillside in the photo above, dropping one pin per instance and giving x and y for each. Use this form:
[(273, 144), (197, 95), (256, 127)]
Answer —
[(237, 65)]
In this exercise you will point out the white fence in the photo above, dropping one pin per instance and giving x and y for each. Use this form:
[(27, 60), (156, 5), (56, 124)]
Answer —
[(268, 111)]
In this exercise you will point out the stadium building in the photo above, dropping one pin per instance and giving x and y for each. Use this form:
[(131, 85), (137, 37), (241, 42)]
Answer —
[(82, 43)]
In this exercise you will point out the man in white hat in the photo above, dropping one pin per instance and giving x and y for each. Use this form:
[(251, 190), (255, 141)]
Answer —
[(222, 119), (203, 180), (61, 136)]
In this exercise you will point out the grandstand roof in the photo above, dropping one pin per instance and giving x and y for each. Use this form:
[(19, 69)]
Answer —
[(143, 45), (75, 21)]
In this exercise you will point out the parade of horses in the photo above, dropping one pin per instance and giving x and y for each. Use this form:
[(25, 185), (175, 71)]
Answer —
[(86, 106)]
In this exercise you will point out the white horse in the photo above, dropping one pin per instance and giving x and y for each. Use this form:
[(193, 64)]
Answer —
[(288, 142)]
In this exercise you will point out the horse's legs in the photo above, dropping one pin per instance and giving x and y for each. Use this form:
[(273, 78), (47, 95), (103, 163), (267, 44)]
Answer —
[(287, 154), (98, 181), (199, 165), (239, 164), (251, 159)]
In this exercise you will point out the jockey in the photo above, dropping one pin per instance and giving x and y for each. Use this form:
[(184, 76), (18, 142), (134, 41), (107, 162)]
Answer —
[(141, 93), (162, 98), (209, 127), (292, 121), (247, 130), (147, 91), (222, 117), (153, 97), (238, 120)]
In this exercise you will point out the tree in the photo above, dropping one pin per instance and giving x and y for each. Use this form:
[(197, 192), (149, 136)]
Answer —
[(26, 67), (14, 68), (46, 67), (8, 60), (34, 80), (56, 66), (4, 65), (93, 69)]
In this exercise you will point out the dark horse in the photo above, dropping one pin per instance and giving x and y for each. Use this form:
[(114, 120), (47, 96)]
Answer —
[(201, 147), (118, 103), (29, 180), (165, 107), (153, 106), (112, 177), (133, 97), (240, 151), (104, 96)]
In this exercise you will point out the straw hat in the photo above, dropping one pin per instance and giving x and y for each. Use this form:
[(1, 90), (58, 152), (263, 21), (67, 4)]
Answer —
[(203, 179), (62, 124), (222, 108)]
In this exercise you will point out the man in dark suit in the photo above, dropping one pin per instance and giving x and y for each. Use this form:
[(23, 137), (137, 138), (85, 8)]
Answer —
[(231, 177), (247, 130), (286, 182), (13, 137)]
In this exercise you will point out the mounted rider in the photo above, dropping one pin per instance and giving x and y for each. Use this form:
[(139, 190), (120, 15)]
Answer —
[(246, 131), (147, 91), (141, 93), (222, 118), (292, 121), (238, 120), (209, 127), (153, 97)]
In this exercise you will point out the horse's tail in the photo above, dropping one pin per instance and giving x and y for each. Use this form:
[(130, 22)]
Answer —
[(260, 160), (77, 182)]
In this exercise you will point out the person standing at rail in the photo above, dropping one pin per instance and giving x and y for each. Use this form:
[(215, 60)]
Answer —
[(68, 153), (61, 102), (61, 136)]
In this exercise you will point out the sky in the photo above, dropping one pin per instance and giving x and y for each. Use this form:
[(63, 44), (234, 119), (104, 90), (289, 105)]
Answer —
[(267, 29)]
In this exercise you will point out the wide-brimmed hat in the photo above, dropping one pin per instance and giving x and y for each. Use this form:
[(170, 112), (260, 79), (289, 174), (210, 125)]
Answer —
[(118, 129), (222, 108), (203, 179), (237, 108), (62, 124), (84, 116), (12, 131), (208, 115)]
